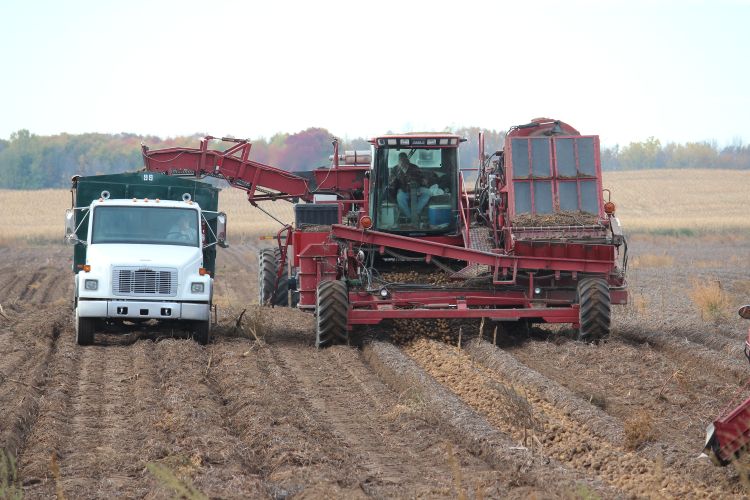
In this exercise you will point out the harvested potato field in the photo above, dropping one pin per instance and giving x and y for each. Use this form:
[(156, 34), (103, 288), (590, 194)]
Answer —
[(260, 413)]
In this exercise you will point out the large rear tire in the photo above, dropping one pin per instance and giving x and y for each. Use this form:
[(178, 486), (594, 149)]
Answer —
[(268, 265), (595, 312), (331, 314), (84, 330), (520, 328), (282, 290)]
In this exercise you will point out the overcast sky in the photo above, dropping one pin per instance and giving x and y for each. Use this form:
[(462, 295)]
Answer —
[(679, 71)]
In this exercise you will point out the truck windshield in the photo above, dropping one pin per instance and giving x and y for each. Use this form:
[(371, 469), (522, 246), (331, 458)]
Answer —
[(145, 225), (416, 189)]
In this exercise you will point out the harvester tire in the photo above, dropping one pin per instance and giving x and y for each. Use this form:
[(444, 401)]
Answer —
[(595, 309), (331, 314), (282, 291), (84, 330), (268, 264), (202, 332), (520, 328)]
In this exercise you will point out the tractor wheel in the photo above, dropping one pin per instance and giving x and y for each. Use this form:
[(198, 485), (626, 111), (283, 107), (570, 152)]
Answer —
[(595, 313), (266, 275), (268, 263), (520, 328), (84, 330), (282, 291), (331, 314), (202, 332)]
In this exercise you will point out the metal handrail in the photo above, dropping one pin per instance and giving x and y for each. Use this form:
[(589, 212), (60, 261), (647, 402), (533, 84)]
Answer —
[(464, 216)]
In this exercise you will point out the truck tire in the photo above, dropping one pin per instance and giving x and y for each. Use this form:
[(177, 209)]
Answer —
[(595, 309), (84, 330), (268, 263), (331, 314), (202, 332)]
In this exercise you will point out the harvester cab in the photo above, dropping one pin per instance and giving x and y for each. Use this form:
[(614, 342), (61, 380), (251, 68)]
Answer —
[(414, 188), (728, 437)]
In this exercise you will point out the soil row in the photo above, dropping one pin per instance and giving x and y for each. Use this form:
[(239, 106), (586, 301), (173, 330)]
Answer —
[(673, 389), (322, 423), (550, 428), (28, 339)]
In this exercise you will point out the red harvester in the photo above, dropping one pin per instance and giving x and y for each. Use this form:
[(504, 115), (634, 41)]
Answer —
[(728, 437), (530, 240)]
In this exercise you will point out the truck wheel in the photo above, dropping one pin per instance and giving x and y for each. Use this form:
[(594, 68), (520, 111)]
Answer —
[(331, 314), (595, 312), (202, 331), (84, 330), (267, 272)]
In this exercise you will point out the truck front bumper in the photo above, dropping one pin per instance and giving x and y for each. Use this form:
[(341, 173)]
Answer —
[(131, 309)]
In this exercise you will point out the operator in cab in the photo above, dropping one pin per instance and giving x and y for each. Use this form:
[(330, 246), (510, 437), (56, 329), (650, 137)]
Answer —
[(184, 230), (403, 176)]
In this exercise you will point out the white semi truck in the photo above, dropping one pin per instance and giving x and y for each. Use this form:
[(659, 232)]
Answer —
[(144, 253)]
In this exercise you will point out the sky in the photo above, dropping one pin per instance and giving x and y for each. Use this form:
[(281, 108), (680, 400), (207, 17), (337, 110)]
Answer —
[(678, 71)]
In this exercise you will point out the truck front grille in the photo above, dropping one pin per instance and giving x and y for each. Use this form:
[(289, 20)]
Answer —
[(160, 282)]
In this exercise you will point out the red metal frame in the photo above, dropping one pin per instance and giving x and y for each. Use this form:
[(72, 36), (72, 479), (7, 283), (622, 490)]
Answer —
[(732, 428), (239, 171), (331, 254), (733, 431), (598, 259)]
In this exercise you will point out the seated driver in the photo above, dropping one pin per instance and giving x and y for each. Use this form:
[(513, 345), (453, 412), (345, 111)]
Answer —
[(183, 230), (403, 176)]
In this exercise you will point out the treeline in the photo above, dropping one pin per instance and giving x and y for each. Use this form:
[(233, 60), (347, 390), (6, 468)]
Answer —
[(651, 154), (29, 161)]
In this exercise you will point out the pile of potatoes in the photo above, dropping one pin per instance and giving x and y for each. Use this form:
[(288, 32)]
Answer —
[(407, 330), (435, 278)]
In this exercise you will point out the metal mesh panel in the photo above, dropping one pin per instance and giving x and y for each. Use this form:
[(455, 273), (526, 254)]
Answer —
[(586, 163), (520, 158), (522, 191), (568, 192), (543, 197), (566, 158), (540, 158), (589, 197), (138, 281)]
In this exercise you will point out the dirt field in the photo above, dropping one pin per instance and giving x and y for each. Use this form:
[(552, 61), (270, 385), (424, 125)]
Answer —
[(143, 415)]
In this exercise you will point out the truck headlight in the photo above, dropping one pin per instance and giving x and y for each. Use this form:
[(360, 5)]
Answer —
[(196, 287), (91, 284)]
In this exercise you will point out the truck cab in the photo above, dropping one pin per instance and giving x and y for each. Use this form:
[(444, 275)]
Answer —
[(143, 258)]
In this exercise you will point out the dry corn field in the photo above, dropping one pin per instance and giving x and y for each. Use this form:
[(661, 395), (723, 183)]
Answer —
[(410, 414)]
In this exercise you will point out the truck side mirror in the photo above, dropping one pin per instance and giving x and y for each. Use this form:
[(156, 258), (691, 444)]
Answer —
[(221, 230), (70, 227)]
